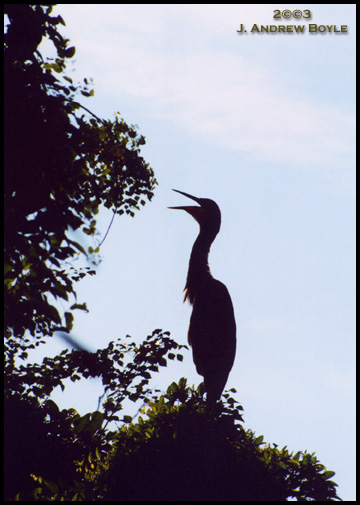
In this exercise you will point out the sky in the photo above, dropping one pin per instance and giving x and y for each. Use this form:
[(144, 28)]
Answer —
[(264, 124)]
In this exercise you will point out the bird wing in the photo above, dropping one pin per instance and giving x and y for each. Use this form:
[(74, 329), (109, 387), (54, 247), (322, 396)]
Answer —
[(212, 330)]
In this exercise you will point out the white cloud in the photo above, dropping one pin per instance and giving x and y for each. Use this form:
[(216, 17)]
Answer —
[(165, 58)]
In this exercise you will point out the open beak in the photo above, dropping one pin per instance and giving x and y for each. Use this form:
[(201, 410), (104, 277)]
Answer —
[(196, 212), (188, 196)]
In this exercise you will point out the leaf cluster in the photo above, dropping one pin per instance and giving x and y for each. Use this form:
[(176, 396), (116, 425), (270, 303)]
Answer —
[(42, 441), (183, 451), (176, 449), (123, 369), (61, 163)]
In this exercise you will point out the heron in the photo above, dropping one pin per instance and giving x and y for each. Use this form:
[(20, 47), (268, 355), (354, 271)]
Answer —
[(212, 329)]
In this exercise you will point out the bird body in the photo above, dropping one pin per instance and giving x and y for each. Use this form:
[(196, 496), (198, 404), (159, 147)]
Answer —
[(212, 329), (212, 336)]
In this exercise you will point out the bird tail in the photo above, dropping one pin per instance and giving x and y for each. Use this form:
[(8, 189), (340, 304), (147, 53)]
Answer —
[(214, 386)]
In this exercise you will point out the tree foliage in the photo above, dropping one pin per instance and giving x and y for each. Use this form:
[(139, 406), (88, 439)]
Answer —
[(61, 164), (177, 449), (56, 446)]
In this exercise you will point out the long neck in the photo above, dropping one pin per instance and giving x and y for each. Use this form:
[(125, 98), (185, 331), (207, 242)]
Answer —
[(199, 269)]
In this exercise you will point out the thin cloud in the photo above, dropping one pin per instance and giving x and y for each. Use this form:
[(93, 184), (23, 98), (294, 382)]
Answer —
[(175, 72)]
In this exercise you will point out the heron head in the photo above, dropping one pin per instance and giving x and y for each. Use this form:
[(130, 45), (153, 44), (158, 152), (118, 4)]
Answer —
[(207, 215)]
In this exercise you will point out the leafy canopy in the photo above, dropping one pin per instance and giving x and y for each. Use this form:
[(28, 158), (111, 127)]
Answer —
[(61, 163), (176, 449)]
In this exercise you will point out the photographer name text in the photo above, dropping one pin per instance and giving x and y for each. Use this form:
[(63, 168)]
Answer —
[(296, 14), (311, 28)]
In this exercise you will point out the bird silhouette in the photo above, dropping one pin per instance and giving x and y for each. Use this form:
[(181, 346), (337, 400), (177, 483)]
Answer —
[(212, 329)]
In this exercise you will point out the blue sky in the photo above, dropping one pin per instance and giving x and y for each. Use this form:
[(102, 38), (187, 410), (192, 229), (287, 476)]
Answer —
[(264, 124)]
